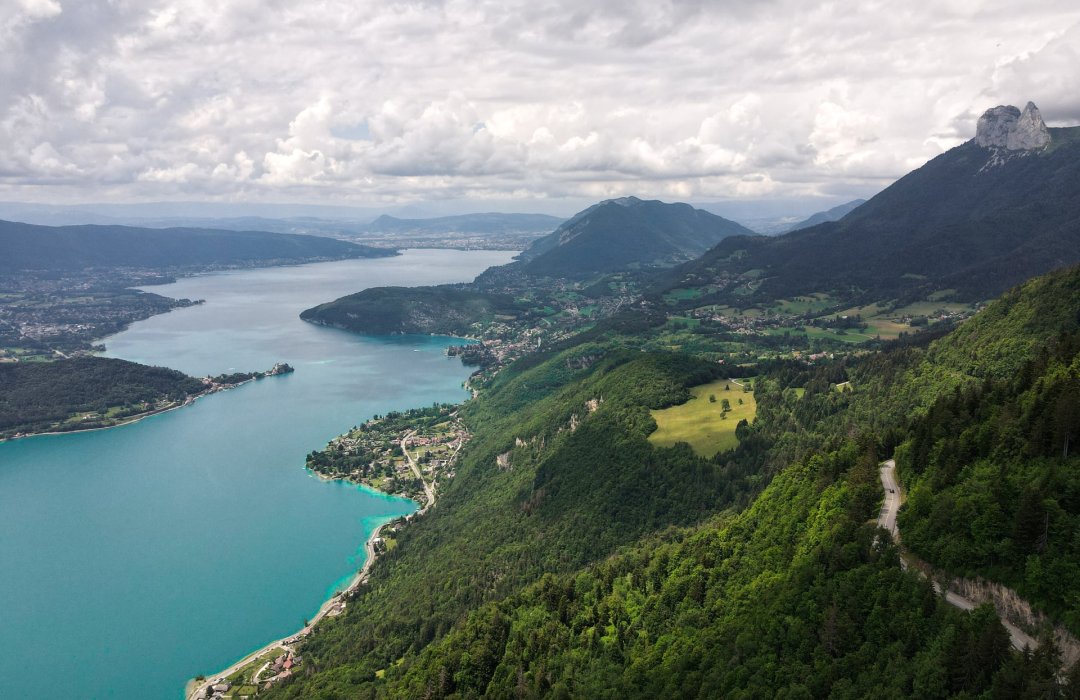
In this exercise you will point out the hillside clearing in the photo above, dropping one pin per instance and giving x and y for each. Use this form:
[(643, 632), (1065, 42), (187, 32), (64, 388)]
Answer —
[(699, 421)]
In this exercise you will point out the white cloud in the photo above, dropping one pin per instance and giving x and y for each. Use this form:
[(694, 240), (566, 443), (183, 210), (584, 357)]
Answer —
[(334, 100)]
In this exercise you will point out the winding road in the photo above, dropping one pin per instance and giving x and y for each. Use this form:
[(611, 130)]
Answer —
[(887, 519)]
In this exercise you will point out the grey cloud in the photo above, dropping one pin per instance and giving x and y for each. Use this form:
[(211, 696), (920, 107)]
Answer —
[(500, 100)]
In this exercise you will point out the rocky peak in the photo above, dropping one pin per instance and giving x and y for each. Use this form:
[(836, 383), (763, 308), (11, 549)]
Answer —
[(1030, 131), (994, 126), (1007, 127)]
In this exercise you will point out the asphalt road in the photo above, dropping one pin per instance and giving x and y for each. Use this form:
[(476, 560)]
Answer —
[(887, 520), (887, 516)]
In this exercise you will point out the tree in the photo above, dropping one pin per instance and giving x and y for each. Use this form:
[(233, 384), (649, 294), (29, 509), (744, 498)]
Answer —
[(1066, 418), (725, 405)]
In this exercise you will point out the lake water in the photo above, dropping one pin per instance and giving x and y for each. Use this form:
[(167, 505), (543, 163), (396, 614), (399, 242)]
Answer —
[(134, 558)]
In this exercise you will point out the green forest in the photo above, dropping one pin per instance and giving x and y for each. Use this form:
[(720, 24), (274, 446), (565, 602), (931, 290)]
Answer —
[(589, 563), (443, 310), (43, 396)]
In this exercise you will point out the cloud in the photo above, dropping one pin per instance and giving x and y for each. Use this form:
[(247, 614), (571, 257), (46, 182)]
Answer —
[(336, 100)]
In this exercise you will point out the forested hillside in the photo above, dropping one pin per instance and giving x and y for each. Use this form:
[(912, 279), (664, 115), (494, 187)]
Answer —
[(509, 587), (795, 598), (626, 233), (39, 396), (993, 466), (444, 310), (972, 220)]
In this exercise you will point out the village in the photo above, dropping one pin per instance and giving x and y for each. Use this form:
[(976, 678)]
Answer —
[(262, 673), (44, 319), (400, 453)]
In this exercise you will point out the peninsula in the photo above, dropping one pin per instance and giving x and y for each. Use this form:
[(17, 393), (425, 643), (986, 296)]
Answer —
[(92, 393)]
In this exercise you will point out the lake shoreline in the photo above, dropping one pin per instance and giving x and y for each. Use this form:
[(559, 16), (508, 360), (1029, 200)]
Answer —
[(332, 606), (212, 496), (335, 605)]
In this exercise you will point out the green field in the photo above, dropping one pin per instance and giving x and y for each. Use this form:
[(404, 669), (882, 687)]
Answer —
[(930, 308), (699, 422), (683, 294), (849, 336), (885, 322), (811, 303)]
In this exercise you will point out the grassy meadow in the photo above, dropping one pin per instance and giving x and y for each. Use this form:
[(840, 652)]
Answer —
[(700, 422)]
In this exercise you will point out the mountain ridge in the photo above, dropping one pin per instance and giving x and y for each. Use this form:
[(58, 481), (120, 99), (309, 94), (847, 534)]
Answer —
[(834, 214), (34, 247), (977, 220)]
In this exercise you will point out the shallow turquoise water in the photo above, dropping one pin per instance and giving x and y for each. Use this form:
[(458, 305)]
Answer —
[(133, 558)]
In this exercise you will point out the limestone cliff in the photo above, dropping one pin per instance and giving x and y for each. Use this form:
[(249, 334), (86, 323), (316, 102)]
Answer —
[(1007, 127)]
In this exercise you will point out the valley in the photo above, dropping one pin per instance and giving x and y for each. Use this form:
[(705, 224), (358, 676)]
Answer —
[(540, 351), (666, 481)]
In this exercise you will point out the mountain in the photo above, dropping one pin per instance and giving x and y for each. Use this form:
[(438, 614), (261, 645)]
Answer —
[(834, 214), (485, 223), (612, 236), (31, 247), (626, 233), (978, 219)]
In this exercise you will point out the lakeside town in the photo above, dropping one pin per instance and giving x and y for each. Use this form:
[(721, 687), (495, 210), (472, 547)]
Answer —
[(67, 315), (399, 453)]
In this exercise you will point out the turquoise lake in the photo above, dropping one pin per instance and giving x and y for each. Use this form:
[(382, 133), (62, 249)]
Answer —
[(134, 558)]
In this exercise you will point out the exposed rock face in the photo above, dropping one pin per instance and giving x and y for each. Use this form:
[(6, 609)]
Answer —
[(994, 126), (1006, 127), (1030, 131)]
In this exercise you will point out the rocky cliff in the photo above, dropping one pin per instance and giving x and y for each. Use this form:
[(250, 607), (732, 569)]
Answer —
[(1007, 127)]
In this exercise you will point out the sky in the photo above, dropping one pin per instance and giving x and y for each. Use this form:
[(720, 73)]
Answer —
[(532, 105)]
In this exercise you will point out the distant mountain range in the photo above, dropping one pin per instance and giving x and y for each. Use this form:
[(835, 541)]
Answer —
[(977, 219), (485, 223), (627, 233), (834, 214), (30, 247), (483, 230)]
